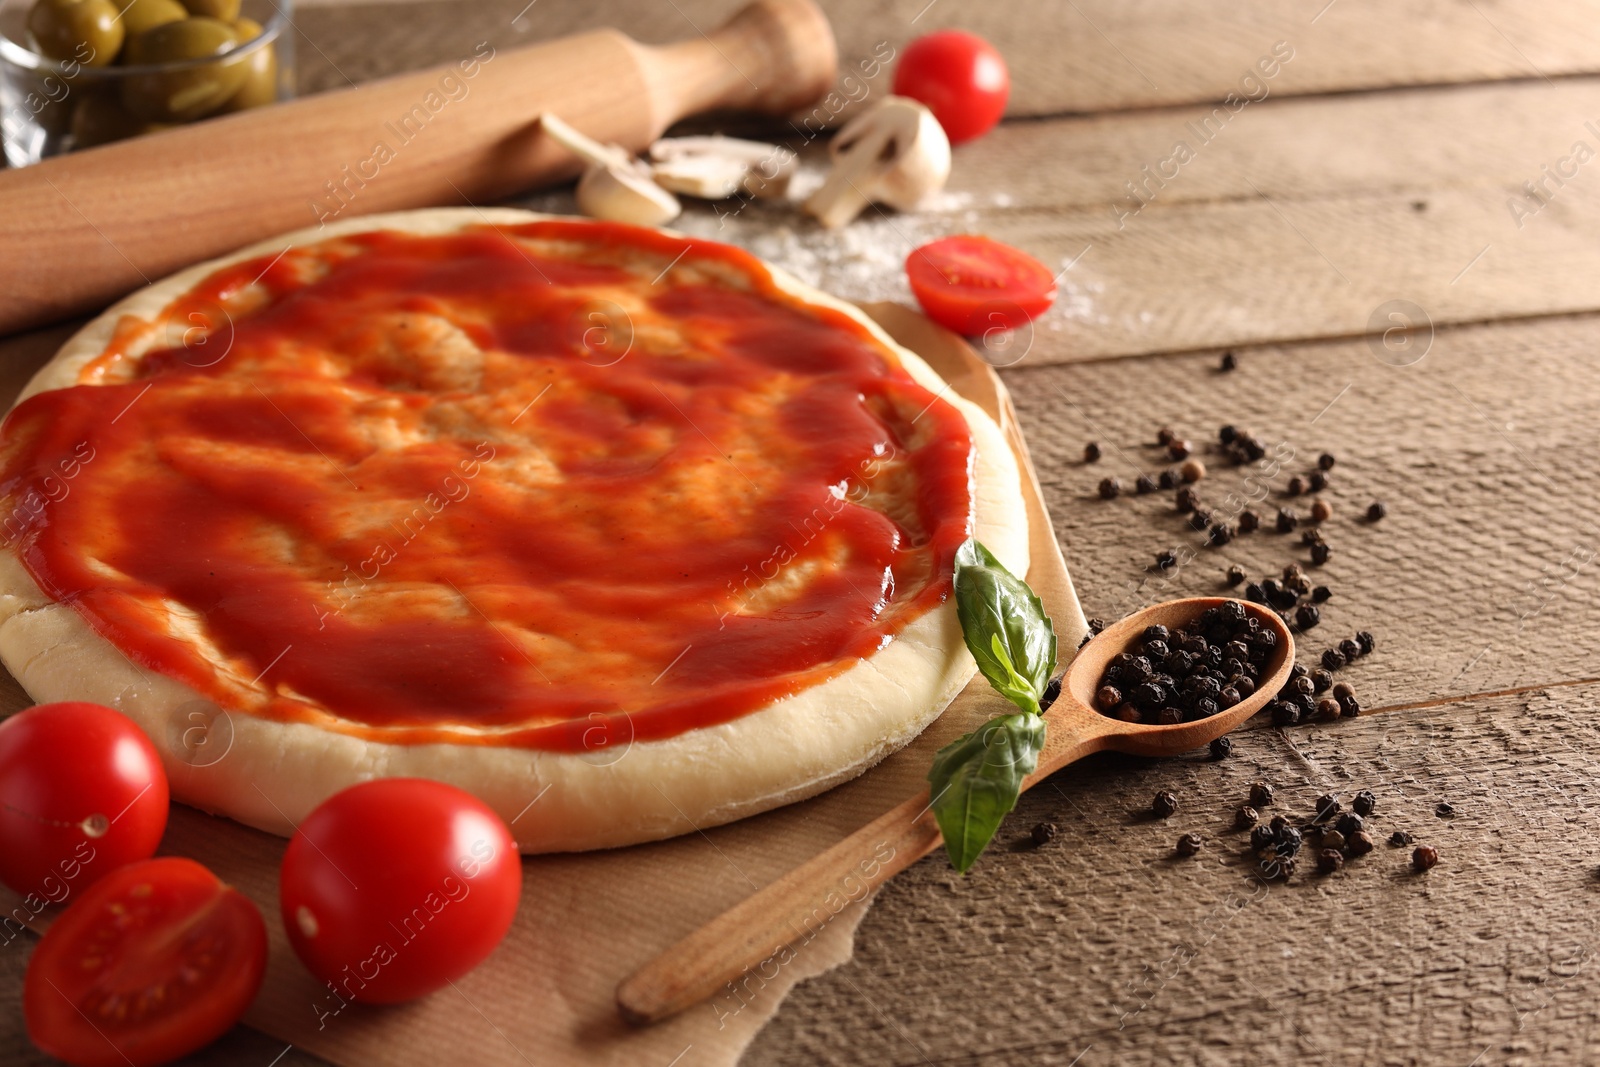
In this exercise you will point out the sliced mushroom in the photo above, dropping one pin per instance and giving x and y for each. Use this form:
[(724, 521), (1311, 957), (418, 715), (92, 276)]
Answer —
[(895, 153), (716, 167), (614, 186)]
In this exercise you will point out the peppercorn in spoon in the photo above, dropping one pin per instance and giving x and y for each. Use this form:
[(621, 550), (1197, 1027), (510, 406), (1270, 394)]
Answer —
[(785, 912)]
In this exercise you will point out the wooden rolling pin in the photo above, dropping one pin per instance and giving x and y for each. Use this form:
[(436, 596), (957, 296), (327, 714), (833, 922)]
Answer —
[(81, 230)]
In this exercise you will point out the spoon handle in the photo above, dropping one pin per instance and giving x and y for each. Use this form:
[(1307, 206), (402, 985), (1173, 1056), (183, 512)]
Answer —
[(780, 919)]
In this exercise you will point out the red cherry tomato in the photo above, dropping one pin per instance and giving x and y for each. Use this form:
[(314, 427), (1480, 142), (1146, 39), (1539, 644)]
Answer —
[(156, 960), (395, 887), (82, 792), (973, 284), (961, 79)]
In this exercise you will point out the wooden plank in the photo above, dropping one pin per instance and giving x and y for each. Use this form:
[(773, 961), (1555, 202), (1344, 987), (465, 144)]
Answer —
[(1477, 579), (1297, 220), (1102, 945), (1092, 55)]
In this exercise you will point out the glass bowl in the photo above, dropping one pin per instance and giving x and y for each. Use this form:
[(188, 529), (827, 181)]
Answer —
[(51, 106)]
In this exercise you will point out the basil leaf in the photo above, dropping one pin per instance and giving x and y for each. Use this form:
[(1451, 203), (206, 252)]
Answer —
[(975, 781), (1005, 626)]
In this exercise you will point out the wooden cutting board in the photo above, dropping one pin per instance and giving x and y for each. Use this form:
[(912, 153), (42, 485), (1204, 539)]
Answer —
[(586, 920)]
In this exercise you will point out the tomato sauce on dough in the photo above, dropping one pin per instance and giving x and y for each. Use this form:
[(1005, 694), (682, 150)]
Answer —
[(556, 485)]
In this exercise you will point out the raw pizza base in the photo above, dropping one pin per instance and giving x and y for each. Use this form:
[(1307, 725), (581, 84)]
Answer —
[(271, 774)]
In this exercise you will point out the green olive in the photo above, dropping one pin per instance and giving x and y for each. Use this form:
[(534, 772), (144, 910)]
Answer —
[(100, 118), (222, 10), (184, 94), (141, 15), (261, 70), (87, 31)]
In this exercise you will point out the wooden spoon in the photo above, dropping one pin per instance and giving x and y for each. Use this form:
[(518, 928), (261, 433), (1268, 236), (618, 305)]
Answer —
[(793, 909)]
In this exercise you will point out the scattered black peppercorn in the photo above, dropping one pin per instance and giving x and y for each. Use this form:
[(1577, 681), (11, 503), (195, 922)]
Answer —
[(1221, 533), (1261, 837), (1284, 713), (1277, 868), (1200, 519), (1227, 434), (1445, 809), (1164, 805), (1366, 641), (1235, 575), (1316, 481), (1320, 680), (1329, 861), (1321, 594), (1178, 449), (1349, 823), (1327, 807), (1321, 511), (1165, 435), (1260, 794), (1363, 803), (1246, 817), (1166, 559), (1320, 553), (1312, 536), (1307, 617), (1349, 650), (1222, 747), (1296, 486), (1185, 499), (1249, 521), (1400, 838), (1349, 707), (1091, 452), (1376, 510), (1189, 844), (1424, 857), (1144, 484), (1109, 488), (1043, 833), (1359, 843), (1229, 362), (1326, 461), (1287, 520), (1333, 659)]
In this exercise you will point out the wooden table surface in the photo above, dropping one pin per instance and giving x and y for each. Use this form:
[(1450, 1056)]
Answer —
[(1380, 182)]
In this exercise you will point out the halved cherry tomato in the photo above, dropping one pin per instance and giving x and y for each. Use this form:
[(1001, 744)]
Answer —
[(973, 284), (961, 79), (156, 960), (395, 887), (82, 792)]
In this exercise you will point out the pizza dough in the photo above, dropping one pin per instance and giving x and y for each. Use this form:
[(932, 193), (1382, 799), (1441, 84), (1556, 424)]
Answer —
[(270, 773)]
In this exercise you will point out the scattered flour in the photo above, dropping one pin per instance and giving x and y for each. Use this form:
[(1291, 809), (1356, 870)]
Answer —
[(860, 262)]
